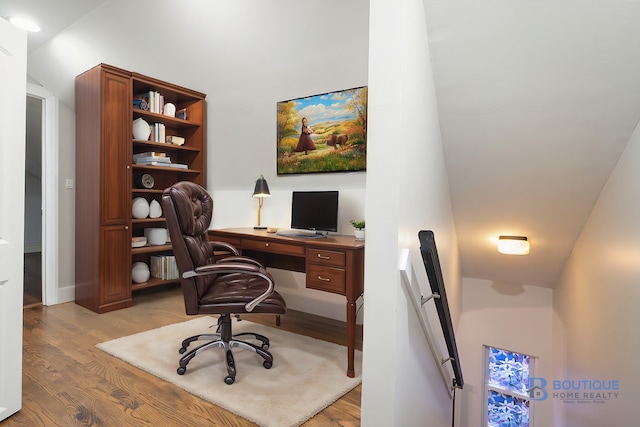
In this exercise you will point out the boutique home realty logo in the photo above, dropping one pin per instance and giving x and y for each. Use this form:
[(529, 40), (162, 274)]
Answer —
[(574, 391)]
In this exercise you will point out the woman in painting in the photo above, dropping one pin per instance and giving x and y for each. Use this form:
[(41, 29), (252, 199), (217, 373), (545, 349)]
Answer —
[(305, 142)]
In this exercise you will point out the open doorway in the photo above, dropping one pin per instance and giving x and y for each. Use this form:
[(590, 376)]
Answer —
[(41, 192), (33, 236)]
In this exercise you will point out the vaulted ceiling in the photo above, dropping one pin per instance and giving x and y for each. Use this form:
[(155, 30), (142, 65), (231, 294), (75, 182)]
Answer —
[(537, 100)]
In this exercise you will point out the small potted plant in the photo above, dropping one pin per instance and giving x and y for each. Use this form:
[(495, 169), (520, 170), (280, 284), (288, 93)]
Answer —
[(359, 229)]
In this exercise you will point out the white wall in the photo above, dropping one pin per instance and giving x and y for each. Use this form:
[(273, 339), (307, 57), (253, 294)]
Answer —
[(596, 301), (245, 55), (407, 190), (509, 316)]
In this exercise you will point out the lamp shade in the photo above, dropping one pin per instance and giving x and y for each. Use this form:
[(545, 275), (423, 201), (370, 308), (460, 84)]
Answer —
[(261, 189), (513, 245)]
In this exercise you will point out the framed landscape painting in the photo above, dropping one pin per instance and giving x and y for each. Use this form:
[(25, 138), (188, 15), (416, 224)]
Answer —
[(323, 133)]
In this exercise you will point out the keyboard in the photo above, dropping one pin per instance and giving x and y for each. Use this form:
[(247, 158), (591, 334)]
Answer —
[(298, 233)]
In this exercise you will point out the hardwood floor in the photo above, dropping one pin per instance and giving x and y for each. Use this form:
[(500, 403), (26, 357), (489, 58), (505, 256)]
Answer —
[(68, 381)]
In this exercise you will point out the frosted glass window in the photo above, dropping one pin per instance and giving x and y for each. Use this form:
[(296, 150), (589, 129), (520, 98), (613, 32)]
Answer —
[(507, 411), (508, 370), (506, 391)]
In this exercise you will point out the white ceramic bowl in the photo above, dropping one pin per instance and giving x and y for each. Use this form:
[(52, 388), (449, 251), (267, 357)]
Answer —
[(156, 236), (138, 242), (140, 208)]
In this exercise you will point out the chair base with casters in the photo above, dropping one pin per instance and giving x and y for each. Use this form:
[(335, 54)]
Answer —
[(225, 339)]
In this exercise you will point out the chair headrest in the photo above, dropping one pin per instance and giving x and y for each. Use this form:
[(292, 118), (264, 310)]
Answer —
[(194, 207)]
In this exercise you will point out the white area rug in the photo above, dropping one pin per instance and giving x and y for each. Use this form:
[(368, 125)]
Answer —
[(307, 374)]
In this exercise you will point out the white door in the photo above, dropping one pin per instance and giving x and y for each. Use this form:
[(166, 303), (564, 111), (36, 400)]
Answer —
[(13, 88)]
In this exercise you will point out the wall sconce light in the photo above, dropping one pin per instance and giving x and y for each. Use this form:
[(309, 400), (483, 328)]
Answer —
[(513, 245), (261, 191)]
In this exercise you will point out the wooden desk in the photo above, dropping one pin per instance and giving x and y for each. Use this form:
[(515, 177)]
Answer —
[(332, 264)]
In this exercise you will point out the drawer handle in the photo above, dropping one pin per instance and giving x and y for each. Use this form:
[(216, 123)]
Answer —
[(323, 256), (266, 245), (324, 279)]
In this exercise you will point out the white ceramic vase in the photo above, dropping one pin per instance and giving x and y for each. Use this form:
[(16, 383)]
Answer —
[(169, 109), (155, 210), (140, 208), (359, 234), (141, 129), (140, 272)]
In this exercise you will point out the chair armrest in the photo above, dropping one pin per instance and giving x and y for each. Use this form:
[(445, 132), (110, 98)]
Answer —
[(237, 267), (224, 246), (241, 259)]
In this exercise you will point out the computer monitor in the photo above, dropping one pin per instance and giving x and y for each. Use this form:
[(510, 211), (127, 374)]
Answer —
[(315, 210)]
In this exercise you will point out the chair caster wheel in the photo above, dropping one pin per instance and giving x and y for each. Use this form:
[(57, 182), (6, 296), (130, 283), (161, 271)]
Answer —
[(181, 370), (229, 380), (267, 365), (182, 350)]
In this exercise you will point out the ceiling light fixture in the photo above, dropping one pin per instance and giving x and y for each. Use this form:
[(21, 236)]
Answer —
[(25, 24), (513, 245)]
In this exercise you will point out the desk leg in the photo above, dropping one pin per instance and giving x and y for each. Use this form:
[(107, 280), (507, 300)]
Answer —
[(351, 337)]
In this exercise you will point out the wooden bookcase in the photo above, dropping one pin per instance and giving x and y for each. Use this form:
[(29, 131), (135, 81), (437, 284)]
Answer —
[(106, 178)]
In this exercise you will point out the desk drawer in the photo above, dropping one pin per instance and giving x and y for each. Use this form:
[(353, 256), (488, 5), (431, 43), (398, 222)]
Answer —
[(324, 257), (275, 247), (231, 240), (328, 279)]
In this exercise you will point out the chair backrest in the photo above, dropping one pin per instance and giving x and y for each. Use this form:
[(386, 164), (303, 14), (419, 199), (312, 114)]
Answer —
[(188, 210)]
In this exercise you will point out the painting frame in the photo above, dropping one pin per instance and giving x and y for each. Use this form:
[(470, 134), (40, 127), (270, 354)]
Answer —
[(334, 138)]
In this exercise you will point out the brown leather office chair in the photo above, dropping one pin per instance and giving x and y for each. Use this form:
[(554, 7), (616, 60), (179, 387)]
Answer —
[(231, 285)]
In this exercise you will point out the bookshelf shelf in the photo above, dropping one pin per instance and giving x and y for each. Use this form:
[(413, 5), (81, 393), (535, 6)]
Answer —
[(152, 282), (167, 120), (150, 249)]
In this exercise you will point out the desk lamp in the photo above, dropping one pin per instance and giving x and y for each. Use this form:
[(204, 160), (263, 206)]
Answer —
[(261, 191)]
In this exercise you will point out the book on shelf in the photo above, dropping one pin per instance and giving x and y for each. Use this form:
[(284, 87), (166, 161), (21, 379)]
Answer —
[(163, 267), (152, 163), (182, 114), (176, 140), (149, 154), (159, 159), (178, 165), (158, 132), (164, 164), (154, 101)]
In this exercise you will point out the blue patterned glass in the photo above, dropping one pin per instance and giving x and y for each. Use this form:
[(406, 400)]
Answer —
[(507, 411), (509, 371)]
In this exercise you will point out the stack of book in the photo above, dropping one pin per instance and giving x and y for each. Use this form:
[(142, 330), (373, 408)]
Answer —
[(158, 132), (151, 101), (164, 267), (151, 158)]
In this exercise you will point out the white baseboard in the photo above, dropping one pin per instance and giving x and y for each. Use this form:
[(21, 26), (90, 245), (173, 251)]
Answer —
[(66, 294)]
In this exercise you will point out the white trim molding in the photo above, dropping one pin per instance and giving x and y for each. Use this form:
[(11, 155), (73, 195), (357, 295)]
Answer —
[(50, 192)]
